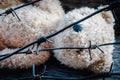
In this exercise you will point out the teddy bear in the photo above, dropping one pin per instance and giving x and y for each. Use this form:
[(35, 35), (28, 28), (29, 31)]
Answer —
[(93, 31), (36, 21)]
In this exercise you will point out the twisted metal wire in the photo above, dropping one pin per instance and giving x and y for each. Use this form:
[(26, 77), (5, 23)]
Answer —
[(45, 39), (8, 11), (92, 76), (94, 46), (12, 10), (41, 76)]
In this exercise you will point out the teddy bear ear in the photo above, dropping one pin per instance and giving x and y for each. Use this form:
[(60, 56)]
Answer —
[(108, 16)]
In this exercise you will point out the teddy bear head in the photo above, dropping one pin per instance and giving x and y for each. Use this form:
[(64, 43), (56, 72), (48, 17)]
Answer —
[(95, 30)]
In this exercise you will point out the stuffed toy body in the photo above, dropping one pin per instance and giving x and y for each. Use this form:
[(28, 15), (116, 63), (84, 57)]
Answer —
[(95, 30), (36, 21)]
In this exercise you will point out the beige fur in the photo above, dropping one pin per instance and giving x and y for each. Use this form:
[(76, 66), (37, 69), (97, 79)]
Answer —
[(7, 3), (96, 29), (2, 45), (23, 60), (35, 22)]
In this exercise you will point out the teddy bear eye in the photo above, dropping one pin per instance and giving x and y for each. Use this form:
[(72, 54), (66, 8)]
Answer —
[(77, 28)]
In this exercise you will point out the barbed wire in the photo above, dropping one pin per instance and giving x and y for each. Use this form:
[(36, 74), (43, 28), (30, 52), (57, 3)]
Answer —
[(12, 10), (46, 39), (94, 46), (8, 11), (42, 76), (92, 76)]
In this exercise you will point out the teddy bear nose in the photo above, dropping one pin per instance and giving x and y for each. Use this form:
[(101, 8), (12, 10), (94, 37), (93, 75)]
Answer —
[(77, 28)]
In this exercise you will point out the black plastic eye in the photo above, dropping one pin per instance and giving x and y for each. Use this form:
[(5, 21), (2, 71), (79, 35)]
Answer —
[(77, 28)]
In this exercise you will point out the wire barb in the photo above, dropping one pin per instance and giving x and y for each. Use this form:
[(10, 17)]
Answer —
[(38, 76), (29, 51), (13, 12), (89, 49), (49, 41), (111, 67), (8, 11), (33, 70), (37, 48), (44, 70), (39, 41)]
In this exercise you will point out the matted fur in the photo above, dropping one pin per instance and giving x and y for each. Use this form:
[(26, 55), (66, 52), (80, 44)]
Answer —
[(97, 29), (35, 22)]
